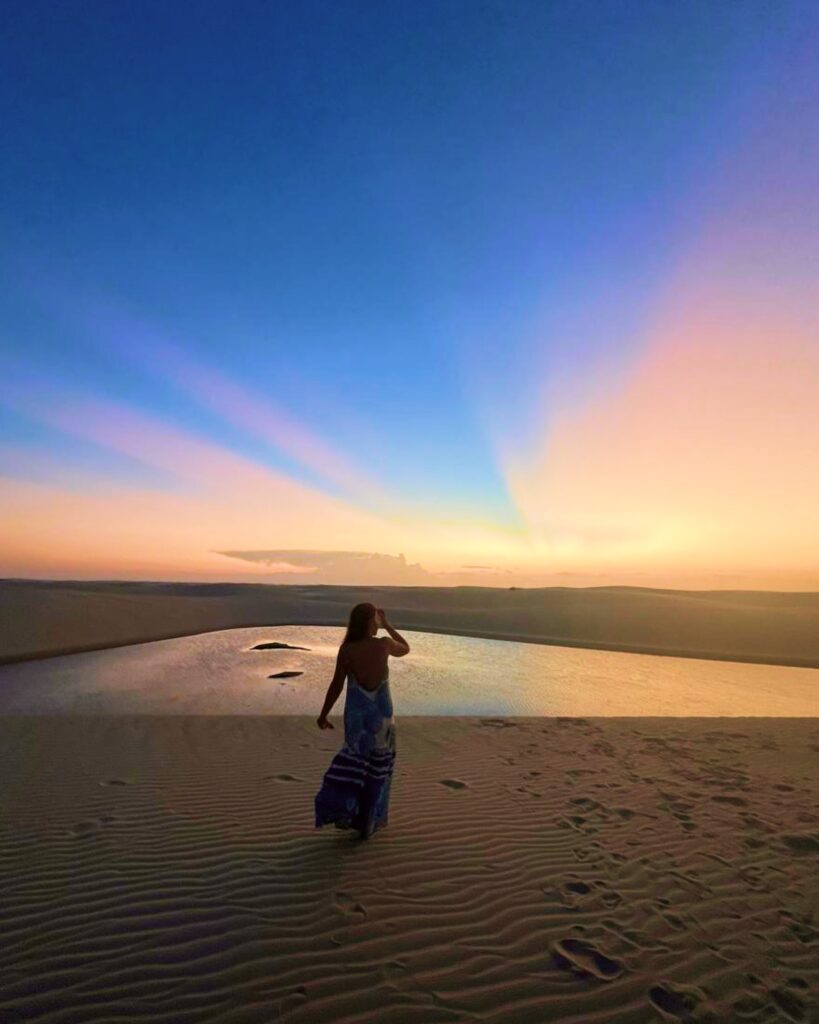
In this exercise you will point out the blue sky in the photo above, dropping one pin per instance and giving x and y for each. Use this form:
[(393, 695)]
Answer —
[(401, 221)]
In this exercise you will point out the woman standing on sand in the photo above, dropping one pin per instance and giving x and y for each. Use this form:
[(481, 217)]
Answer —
[(355, 791)]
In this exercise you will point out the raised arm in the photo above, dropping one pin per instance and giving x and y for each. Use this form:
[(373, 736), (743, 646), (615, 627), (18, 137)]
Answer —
[(333, 691), (396, 644)]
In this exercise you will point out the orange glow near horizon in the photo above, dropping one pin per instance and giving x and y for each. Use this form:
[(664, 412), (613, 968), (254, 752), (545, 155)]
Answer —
[(696, 466), (690, 460), (703, 456)]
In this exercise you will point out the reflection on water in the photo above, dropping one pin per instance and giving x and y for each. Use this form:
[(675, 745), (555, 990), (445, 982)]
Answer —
[(219, 673)]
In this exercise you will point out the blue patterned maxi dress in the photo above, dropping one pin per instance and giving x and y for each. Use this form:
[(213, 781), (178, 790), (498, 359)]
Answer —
[(355, 790)]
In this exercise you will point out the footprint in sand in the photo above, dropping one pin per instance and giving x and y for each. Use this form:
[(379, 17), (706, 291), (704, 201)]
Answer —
[(678, 1002), (752, 822), (802, 843), (749, 1006), (802, 929), (753, 844), (574, 889), (525, 789), (453, 783), (789, 1003), (349, 905), (732, 801), (573, 894), (581, 888), (578, 823), (586, 803), (797, 982), (84, 828), (89, 826), (582, 956)]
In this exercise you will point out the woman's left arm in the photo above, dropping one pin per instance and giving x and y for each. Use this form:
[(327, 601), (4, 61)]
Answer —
[(333, 691)]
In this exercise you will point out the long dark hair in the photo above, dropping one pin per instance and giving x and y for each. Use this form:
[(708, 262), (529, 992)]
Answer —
[(359, 625)]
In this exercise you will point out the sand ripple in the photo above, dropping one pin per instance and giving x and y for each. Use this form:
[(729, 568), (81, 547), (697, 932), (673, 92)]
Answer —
[(581, 870)]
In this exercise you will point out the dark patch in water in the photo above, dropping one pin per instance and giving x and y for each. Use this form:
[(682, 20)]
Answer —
[(276, 646)]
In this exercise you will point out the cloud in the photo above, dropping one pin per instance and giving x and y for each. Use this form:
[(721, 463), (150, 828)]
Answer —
[(340, 567)]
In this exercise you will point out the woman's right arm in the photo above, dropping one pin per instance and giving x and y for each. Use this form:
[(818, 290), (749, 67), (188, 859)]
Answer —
[(398, 646)]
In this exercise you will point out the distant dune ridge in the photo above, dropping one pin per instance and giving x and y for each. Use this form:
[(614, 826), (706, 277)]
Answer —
[(48, 617)]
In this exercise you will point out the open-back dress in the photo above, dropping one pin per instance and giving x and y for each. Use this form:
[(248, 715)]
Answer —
[(355, 790)]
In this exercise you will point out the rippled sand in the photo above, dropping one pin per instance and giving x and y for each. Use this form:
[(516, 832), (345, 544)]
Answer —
[(618, 870)]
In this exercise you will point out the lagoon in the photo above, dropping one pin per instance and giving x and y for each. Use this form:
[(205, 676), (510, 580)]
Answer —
[(220, 673)]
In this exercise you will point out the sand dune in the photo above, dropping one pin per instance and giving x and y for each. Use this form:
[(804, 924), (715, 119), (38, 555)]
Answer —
[(42, 618), (623, 870)]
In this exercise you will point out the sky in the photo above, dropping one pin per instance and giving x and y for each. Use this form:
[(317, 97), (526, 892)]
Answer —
[(433, 294)]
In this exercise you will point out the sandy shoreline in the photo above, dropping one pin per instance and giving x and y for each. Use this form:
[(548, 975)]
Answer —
[(622, 870), (47, 618)]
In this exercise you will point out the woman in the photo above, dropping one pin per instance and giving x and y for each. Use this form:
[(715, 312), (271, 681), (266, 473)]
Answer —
[(355, 791)]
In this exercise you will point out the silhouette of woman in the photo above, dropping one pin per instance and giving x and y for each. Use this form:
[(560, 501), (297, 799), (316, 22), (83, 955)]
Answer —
[(355, 790)]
